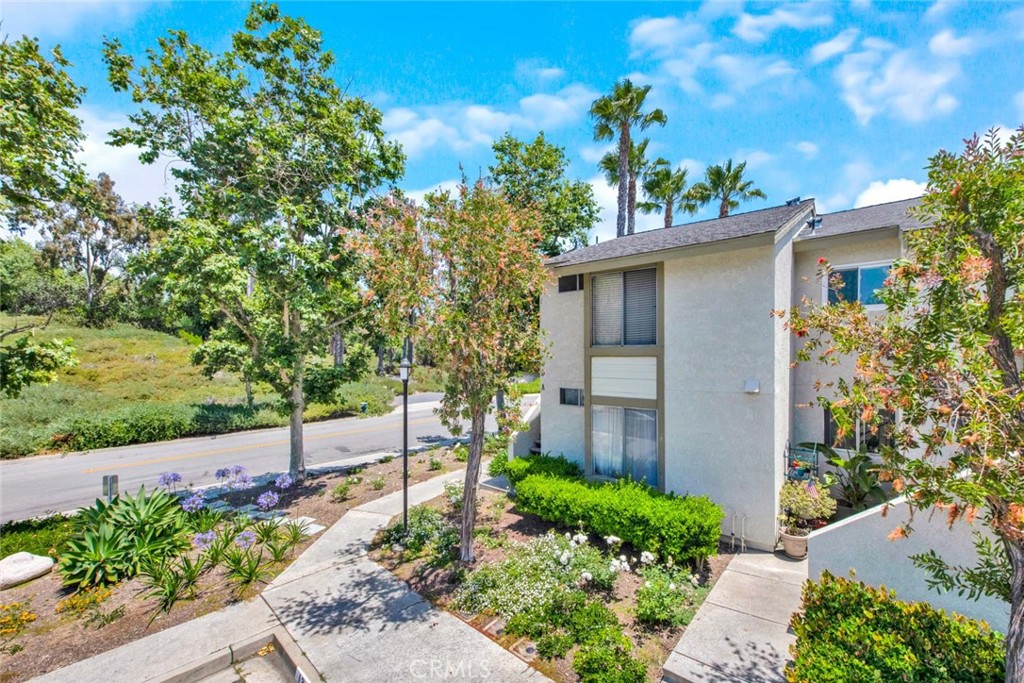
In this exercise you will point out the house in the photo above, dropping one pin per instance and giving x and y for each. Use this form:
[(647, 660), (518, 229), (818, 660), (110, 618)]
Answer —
[(666, 364)]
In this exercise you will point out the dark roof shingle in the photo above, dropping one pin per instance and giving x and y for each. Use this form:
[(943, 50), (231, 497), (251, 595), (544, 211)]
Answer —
[(889, 215), (689, 234)]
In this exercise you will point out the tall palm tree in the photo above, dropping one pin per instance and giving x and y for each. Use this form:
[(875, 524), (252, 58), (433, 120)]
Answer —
[(615, 115), (666, 191), (726, 184), (636, 166)]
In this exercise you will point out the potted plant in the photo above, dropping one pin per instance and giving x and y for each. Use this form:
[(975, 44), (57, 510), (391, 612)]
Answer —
[(804, 504), (856, 478)]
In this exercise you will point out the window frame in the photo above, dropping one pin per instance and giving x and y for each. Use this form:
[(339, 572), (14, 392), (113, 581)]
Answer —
[(860, 431), (859, 266), (623, 334), (656, 415), (577, 283), (562, 394)]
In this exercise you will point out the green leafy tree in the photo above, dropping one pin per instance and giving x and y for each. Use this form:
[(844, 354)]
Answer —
[(95, 234), (636, 167), (666, 191), (41, 134), (468, 267), (943, 355), (725, 184), (532, 174), (615, 116), (39, 139), (275, 157)]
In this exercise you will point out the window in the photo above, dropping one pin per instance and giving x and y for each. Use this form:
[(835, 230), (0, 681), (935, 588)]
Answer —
[(869, 436), (625, 308), (570, 283), (624, 443), (570, 397), (857, 283)]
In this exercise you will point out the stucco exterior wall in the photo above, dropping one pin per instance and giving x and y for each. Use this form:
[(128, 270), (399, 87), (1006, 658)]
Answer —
[(718, 439), (860, 543), (808, 417), (561, 319)]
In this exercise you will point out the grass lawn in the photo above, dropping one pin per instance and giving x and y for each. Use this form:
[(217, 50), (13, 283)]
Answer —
[(123, 371)]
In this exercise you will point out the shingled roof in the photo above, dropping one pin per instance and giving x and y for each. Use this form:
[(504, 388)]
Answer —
[(889, 215), (689, 234)]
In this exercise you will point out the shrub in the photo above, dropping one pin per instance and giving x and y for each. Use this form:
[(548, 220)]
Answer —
[(14, 619), (681, 527), (426, 525), (518, 469), (377, 483), (435, 464), (667, 597), (606, 659), (77, 604), (850, 632)]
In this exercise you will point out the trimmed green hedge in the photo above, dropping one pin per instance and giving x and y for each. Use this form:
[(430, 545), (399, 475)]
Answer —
[(681, 527), (518, 469), (853, 633)]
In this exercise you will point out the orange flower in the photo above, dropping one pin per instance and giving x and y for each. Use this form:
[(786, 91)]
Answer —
[(897, 533)]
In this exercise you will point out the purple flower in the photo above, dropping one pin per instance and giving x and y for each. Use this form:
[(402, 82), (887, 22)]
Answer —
[(223, 473), (193, 503), (246, 539), (168, 479), (238, 471), (203, 540), (267, 500), (242, 482), (283, 482)]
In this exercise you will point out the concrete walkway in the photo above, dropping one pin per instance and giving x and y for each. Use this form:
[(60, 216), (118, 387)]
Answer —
[(351, 618), (741, 632)]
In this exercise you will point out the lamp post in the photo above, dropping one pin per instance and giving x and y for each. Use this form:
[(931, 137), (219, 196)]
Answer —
[(403, 371)]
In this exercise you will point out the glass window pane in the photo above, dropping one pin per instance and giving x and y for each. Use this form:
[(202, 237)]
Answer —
[(871, 280), (641, 305), (606, 440), (876, 435), (606, 317), (842, 285), (641, 445)]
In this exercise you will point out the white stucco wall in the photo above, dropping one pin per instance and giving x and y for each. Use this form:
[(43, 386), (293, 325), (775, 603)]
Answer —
[(719, 439), (860, 543), (561, 319), (808, 417)]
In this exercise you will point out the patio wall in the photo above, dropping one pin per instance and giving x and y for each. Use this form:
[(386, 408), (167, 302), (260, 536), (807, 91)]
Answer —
[(860, 543)]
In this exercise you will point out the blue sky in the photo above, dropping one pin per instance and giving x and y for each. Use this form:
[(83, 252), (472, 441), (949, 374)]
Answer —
[(840, 101)]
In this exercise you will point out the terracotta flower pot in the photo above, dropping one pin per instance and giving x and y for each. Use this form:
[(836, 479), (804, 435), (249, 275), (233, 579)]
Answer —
[(794, 546)]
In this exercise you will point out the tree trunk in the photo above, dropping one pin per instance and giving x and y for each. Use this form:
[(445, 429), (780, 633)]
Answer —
[(723, 208), (248, 392), (1015, 631), (631, 205), (476, 450), (668, 214), (620, 219), (297, 464), (380, 361), (338, 348)]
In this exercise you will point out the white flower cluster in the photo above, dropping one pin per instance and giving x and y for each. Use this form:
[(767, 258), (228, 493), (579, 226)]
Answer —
[(619, 564), (579, 539), (646, 557), (612, 540), (564, 558), (586, 577)]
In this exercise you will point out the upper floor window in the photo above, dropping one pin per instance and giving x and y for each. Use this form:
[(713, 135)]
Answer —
[(869, 437), (857, 283), (570, 283), (625, 308)]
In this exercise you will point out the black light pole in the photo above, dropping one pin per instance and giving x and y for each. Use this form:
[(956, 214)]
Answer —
[(403, 371)]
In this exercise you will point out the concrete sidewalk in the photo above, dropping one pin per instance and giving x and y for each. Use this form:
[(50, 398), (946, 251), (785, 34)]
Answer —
[(741, 632), (351, 618)]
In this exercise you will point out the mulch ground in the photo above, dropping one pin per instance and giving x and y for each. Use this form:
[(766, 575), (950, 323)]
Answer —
[(53, 641), (498, 519)]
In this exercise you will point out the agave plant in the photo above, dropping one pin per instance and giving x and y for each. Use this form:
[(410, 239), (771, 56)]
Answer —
[(98, 556)]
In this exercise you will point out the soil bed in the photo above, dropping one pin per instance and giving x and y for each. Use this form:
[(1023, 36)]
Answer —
[(499, 524), (54, 640)]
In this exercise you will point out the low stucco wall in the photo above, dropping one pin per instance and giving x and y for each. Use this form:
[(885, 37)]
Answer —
[(521, 442), (861, 543)]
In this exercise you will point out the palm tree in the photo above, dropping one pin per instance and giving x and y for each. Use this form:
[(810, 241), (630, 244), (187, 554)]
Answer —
[(666, 191), (726, 184), (636, 165), (615, 115)]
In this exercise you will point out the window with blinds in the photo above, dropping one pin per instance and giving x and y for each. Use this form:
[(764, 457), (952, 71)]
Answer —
[(625, 308)]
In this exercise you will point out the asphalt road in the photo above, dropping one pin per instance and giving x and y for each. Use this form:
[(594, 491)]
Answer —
[(37, 485)]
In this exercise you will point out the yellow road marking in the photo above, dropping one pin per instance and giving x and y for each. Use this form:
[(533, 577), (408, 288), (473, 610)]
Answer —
[(235, 449)]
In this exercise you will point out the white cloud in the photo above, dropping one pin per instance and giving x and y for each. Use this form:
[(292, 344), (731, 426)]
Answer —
[(536, 70), (946, 44), (880, 192), (755, 158), (663, 36), (592, 154), (462, 126), (607, 198), (743, 72), (419, 195), (722, 101), (939, 9), (836, 46), (807, 148), (135, 181), (683, 70), (758, 28), (550, 73), (873, 82), (62, 19)]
